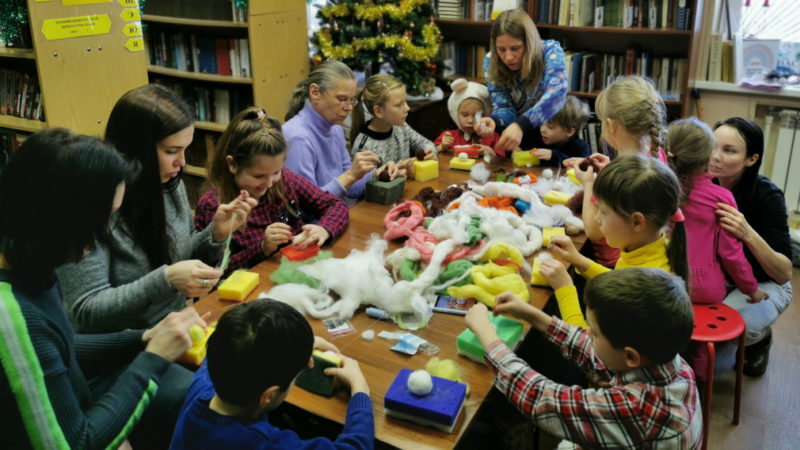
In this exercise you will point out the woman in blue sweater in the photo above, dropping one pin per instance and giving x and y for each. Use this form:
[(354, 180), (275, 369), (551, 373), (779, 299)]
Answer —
[(526, 78), (59, 389)]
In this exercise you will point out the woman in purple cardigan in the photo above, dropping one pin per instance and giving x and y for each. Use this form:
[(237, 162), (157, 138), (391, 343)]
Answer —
[(317, 148)]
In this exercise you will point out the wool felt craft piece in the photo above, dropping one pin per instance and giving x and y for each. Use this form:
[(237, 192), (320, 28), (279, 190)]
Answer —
[(295, 253), (463, 228), (489, 280), (434, 202), (439, 409), (396, 259), (409, 270), (537, 279), (501, 250), (420, 383), (287, 271), (480, 173), (303, 298), (445, 368), (502, 203), (398, 224), (362, 279), (502, 226)]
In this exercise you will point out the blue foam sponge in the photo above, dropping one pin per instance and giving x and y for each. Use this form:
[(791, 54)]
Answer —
[(439, 409)]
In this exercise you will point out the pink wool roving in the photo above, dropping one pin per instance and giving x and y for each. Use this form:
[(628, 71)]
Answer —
[(424, 242), (396, 226)]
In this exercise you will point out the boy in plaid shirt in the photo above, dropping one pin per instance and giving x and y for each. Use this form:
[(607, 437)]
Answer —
[(639, 319)]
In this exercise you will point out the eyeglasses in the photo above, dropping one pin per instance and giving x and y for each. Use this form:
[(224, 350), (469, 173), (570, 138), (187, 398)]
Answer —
[(346, 101)]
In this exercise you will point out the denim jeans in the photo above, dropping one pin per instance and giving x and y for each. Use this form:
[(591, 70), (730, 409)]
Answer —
[(759, 316)]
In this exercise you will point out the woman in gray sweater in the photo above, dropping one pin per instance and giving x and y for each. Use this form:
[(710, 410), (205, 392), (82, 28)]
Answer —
[(153, 260)]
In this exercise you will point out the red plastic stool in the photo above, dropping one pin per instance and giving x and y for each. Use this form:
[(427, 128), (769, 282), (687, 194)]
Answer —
[(718, 323)]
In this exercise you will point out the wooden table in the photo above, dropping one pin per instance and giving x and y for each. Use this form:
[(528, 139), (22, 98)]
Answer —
[(380, 364)]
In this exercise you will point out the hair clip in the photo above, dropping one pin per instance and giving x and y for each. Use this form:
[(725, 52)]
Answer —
[(261, 115)]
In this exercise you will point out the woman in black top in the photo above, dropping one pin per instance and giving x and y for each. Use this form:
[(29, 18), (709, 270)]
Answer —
[(761, 223)]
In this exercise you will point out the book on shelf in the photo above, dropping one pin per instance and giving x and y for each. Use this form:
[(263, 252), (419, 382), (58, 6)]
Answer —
[(499, 6), (20, 95), (198, 53), (224, 10), (755, 57), (210, 104), (463, 59), (715, 57)]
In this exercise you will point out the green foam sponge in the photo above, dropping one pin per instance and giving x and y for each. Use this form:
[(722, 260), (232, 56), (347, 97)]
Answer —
[(509, 330), (314, 380)]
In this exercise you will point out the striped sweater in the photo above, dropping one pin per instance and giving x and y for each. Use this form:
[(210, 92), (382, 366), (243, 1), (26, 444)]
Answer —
[(45, 400), (397, 144)]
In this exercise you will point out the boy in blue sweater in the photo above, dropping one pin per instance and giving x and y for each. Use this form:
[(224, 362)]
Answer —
[(251, 362), (560, 135)]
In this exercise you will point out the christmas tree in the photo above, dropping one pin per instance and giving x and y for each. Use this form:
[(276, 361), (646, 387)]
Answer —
[(367, 34)]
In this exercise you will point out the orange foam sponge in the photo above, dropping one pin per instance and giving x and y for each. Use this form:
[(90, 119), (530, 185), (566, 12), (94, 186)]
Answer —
[(293, 253)]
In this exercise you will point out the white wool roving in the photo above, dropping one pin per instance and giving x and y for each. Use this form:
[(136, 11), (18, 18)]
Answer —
[(362, 279), (501, 189), (480, 173), (420, 382), (553, 216), (303, 298), (451, 225)]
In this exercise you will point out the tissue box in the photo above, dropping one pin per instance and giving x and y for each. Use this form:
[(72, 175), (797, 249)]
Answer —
[(523, 158), (472, 151), (385, 192), (293, 253), (314, 380), (548, 232), (509, 330), (462, 163), (439, 409), (238, 285), (536, 276), (557, 198), (197, 353), (426, 170)]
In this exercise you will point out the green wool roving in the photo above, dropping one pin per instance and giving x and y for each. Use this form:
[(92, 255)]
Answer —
[(454, 270), (409, 271), (474, 229), (289, 271)]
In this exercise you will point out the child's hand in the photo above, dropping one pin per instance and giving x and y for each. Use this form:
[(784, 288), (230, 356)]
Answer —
[(312, 234), (486, 127), (555, 273), (447, 141), (350, 373), (429, 154), (585, 177), (543, 153), (323, 345), (509, 303), (564, 248), (275, 234), (600, 160), (478, 318), (408, 166), (571, 163), (232, 216)]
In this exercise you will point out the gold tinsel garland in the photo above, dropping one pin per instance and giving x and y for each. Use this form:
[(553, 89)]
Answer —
[(430, 35), (372, 12)]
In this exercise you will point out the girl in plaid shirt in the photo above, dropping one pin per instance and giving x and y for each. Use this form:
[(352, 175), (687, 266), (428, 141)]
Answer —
[(249, 157)]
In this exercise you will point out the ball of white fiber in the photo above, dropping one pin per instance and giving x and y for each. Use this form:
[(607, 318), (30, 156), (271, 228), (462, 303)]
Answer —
[(420, 382), (547, 173), (480, 173), (529, 165), (558, 185), (463, 155), (368, 335)]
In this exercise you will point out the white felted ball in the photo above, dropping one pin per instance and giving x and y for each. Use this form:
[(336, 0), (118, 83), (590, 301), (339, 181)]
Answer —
[(558, 185), (368, 335), (487, 158), (463, 155), (529, 165), (547, 173), (420, 382)]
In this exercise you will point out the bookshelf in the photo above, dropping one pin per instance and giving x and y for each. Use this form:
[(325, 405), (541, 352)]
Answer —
[(676, 46), (195, 48)]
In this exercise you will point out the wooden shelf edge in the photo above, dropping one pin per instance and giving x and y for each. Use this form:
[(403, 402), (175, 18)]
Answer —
[(594, 94), (20, 53), (209, 126), (618, 30), (193, 22), (18, 123), (197, 76), (733, 88), (196, 171), (474, 23)]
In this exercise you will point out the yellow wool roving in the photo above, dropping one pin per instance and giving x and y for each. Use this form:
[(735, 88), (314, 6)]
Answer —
[(489, 280)]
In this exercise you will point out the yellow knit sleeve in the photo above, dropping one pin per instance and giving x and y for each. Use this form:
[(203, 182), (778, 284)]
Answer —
[(593, 270), (570, 307)]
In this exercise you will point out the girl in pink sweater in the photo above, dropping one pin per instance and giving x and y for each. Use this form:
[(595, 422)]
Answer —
[(713, 252)]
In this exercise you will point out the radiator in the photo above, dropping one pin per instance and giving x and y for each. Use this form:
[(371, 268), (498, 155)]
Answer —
[(786, 164)]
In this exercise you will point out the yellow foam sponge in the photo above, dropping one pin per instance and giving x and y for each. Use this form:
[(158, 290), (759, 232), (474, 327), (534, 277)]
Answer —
[(462, 163), (548, 232), (238, 285), (536, 276), (426, 170), (197, 353), (572, 177), (557, 198), (523, 158)]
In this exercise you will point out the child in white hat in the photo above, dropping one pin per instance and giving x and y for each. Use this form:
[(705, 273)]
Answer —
[(467, 104)]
